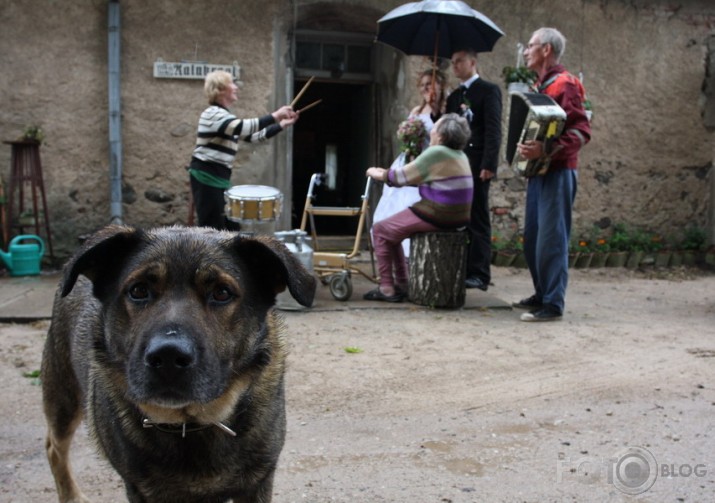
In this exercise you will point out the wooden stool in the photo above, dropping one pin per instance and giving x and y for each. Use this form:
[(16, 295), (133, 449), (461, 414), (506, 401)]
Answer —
[(27, 169), (3, 216), (438, 268)]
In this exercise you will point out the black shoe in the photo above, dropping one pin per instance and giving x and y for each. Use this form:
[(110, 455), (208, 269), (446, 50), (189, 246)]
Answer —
[(530, 303), (543, 314), (376, 294), (473, 282)]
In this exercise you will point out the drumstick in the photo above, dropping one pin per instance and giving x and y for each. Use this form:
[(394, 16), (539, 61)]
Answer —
[(305, 87), (309, 106)]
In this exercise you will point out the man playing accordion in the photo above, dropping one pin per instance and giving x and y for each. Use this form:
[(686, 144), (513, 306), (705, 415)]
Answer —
[(550, 197)]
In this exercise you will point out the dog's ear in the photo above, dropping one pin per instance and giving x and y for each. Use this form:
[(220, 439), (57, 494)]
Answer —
[(276, 267), (102, 253)]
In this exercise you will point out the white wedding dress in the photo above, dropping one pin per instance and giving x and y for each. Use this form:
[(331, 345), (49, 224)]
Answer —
[(395, 199)]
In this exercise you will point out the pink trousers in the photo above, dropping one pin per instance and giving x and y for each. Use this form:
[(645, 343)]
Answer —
[(388, 235)]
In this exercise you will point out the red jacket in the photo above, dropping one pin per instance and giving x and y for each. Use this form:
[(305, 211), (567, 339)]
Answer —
[(568, 92)]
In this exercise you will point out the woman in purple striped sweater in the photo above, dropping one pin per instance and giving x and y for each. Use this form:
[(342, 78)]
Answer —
[(445, 184)]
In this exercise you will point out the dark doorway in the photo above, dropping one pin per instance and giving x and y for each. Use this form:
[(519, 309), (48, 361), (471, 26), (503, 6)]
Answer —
[(334, 138)]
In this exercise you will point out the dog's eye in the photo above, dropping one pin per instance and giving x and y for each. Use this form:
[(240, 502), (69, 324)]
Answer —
[(139, 291), (222, 295)]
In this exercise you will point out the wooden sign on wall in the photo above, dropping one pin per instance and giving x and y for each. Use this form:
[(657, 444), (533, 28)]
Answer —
[(192, 69)]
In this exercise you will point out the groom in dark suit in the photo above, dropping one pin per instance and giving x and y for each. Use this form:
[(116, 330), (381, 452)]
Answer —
[(481, 103)]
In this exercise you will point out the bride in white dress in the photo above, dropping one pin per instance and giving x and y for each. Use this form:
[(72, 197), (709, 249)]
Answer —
[(396, 199)]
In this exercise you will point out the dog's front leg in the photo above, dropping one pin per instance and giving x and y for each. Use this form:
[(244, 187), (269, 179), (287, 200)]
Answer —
[(58, 456), (133, 494), (62, 400)]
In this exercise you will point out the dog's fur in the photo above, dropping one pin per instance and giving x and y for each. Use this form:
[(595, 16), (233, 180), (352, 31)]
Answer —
[(161, 339)]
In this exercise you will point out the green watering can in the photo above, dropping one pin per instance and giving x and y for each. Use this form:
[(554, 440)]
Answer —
[(24, 259)]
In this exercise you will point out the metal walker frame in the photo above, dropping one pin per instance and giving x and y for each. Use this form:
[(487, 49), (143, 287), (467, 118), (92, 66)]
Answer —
[(334, 268)]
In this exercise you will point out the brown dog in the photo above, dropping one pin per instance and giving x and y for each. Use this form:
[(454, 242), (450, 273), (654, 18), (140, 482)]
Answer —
[(166, 341)]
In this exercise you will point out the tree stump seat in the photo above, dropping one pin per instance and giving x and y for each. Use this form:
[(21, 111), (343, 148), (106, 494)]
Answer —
[(437, 268)]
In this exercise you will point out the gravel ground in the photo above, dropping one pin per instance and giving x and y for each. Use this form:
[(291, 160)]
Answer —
[(461, 406)]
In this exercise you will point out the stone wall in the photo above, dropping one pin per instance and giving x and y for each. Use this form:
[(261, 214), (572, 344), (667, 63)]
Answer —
[(643, 62), (643, 65), (54, 73)]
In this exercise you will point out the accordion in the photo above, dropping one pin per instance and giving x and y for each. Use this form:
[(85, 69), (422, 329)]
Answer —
[(532, 116)]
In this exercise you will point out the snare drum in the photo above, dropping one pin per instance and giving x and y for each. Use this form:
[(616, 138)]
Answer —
[(253, 203)]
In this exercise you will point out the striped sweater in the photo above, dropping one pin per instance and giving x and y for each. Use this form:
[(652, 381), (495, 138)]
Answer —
[(445, 184), (218, 134)]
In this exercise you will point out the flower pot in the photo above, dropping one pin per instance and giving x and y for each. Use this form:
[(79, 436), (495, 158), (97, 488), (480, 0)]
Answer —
[(504, 259), (517, 87), (710, 258), (676, 259), (583, 260), (662, 258), (634, 259), (599, 259), (573, 256), (26, 220), (648, 259), (617, 259), (689, 257), (520, 261)]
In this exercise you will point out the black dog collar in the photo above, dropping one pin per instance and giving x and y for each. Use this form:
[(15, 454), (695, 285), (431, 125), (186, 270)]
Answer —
[(185, 428)]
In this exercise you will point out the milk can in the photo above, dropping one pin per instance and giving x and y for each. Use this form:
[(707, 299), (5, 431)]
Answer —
[(297, 242)]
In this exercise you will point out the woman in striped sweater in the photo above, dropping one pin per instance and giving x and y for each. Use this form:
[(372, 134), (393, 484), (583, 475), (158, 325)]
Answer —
[(445, 184), (217, 143)]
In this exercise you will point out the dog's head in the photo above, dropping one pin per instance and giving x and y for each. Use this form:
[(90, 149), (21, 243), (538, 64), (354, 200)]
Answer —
[(186, 314)]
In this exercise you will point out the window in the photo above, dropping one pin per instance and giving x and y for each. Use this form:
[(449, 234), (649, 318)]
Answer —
[(339, 55)]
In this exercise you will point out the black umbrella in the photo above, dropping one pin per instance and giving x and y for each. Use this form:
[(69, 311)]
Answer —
[(437, 28)]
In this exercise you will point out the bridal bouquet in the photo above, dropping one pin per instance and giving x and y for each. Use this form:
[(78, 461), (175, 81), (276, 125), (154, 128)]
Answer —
[(413, 137)]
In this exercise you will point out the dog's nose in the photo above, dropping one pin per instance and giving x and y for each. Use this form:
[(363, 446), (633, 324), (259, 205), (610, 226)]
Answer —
[(169, 354)]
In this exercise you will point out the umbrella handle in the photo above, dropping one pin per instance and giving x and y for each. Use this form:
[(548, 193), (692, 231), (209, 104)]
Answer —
[(436, 50), (432, 93)]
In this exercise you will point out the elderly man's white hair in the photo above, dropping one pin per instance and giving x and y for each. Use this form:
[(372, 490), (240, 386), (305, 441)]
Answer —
[(554, 38)]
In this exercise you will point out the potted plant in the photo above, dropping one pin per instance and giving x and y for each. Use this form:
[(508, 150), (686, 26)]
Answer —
[(619, 245), (573, 252), (710, 257), (588, 107), (503, 257), (517, 245), (601, 252), (33, 133), (676, 253), (518, 78), (692, 244), (640, 244), (585, 254), (662, 251)]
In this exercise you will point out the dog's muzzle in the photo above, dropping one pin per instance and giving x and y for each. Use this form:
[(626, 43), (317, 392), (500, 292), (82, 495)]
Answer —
[(170, 356), (172, 371)]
